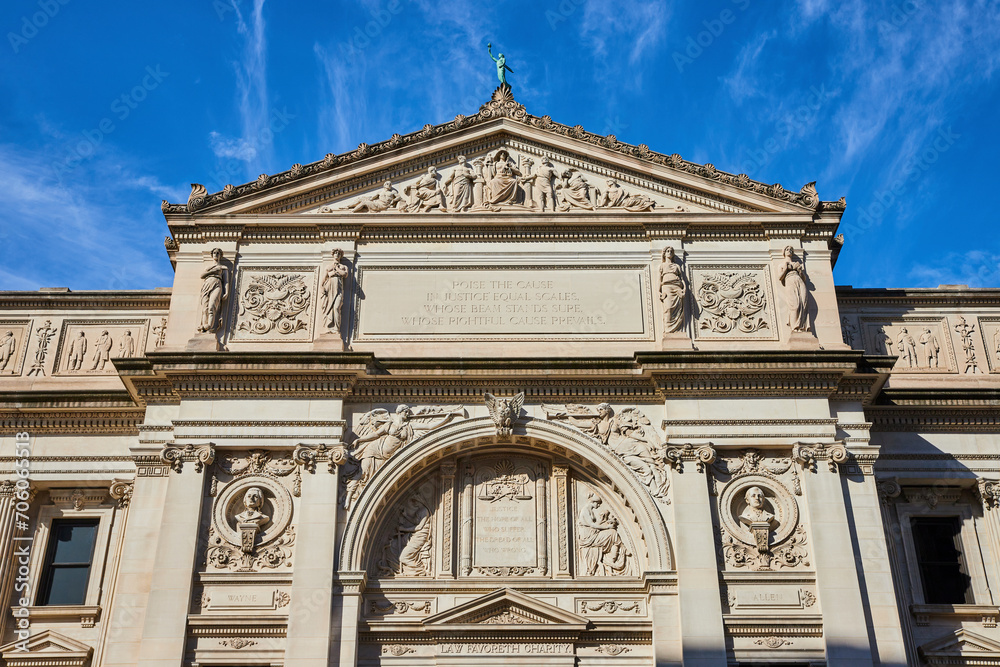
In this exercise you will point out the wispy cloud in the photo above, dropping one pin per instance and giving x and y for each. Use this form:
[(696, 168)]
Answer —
[(255, 144), (975, 268), (97, 231), (743, 82)]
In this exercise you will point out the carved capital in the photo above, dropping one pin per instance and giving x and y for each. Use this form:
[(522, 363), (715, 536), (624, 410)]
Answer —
[(309, 455), (7, 489), (888, 489), (121, 490), (807, 455), (989, 492), (676, 455), (176, 455)]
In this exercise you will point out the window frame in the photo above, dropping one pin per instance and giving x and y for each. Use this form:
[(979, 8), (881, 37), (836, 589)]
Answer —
[(971, 551), (49, 564), (46, 515)]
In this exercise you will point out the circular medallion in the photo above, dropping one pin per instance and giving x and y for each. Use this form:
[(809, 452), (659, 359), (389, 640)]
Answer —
[(270, 508), (756, 500)]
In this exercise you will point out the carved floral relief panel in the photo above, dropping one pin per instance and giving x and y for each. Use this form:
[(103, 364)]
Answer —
[(14, 337), (274, 303), (86, 347), (733, 302), (250, 523), (758, 522), (923, 345)]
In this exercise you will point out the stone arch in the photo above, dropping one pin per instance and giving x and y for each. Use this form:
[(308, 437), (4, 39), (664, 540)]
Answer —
[(537, 435)]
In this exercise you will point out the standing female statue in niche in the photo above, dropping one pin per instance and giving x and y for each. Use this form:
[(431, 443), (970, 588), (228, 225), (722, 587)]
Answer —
[(603, 551), (213, 292), (792, 277), (333, 293), (672, 291)]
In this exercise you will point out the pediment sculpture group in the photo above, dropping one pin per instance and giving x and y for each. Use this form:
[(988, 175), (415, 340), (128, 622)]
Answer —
[(500, 182)]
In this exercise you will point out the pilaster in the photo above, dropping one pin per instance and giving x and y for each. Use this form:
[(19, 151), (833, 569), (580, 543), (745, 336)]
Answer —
[(700, 607)]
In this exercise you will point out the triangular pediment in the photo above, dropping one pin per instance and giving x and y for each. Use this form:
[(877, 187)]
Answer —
[(962, 647), (47, 648), (503, 171), (506, 607)]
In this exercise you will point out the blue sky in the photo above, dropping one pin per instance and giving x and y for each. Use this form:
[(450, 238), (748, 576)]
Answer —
[(107, 108)]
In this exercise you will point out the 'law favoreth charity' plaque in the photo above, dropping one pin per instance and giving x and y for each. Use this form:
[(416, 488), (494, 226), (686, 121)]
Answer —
[(448, 303)]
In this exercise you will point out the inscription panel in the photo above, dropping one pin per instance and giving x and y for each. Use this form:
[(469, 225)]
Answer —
[(504, 524), (447, 303)]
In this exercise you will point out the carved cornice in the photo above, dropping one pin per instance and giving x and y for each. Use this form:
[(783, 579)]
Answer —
[(308, 456), (200, 455), (158, 299), (850, 297), (677, 454), (934, 420), (49, 422), (502, 106)]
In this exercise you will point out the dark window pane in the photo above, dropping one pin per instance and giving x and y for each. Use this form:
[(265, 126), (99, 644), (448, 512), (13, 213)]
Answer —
[(67, 562), (68, 585), (937, 541), (74, 542)]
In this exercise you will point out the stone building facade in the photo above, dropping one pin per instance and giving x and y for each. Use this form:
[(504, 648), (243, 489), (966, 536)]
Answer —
[(500, 391)]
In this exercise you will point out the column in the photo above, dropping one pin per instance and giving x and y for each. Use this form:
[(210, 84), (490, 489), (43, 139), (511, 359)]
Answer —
[(702, 632), (164, 631), (665, 615), (310, 611), (348, 612), (844, 628)]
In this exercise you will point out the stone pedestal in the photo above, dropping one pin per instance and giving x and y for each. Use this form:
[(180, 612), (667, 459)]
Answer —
[(676, 341), (203, 342), (329, 342), (802, 340)]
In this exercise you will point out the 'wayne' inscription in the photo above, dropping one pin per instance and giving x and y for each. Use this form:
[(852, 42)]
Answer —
[(502, 302)]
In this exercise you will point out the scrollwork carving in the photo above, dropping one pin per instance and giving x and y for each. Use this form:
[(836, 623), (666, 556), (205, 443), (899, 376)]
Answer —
[(703, 455), (177, 455), (807, 455), (733, 301), (309, 455), (989, 492), (274, 303), (121, 490)]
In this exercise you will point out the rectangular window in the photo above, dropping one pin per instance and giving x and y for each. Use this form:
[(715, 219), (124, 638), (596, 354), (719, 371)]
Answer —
[(938, 543), (68, 558)]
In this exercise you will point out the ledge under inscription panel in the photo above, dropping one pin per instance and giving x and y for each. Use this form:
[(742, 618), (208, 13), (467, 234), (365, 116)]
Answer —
[(497, 303)]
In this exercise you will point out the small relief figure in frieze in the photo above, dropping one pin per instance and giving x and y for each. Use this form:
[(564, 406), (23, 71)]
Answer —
[(333, 292), (126, 346), (77, 351), (503, 179), (383, 200), (102, 351), (575, 192), (793, 278), (907, 348), (616, 197), (8, 347), (965, 331), (45, 334), (546, 179), (459, 185), (602, 549), (672, 292), (929, 342), (426, 194), (214, 290), (408, 552)]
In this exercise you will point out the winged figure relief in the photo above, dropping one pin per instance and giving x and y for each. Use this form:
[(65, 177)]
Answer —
[(380, 434), (504, 411), (629, 434)]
